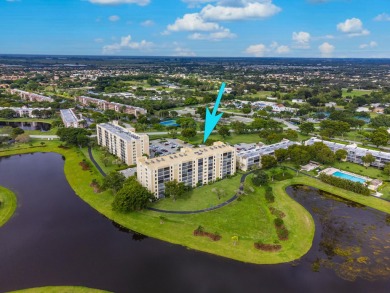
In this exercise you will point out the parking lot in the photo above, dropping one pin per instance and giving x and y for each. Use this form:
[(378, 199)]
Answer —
[(168, 146)]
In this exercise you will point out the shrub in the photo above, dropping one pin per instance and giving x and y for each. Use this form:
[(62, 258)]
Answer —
[(345, 184), (270, 198), (278, 222)]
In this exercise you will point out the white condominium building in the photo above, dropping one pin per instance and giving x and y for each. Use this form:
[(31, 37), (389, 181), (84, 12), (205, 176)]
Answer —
[(31, 96), (250, 158), (70, 119), (24, 111), (355, 153), (123, 143), (193, 166)]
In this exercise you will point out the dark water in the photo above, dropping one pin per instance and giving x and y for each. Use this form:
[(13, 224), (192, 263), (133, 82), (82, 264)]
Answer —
[(41, 126), (56, 239)]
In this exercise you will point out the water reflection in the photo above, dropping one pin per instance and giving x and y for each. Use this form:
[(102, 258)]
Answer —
[(40, 126)]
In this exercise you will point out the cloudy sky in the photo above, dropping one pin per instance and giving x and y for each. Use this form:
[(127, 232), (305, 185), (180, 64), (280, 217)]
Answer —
[(260, 28)]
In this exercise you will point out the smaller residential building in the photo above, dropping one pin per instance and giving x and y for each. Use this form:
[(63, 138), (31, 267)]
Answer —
[(122, 142), (252, 158), (25, 111), (31, 96), (70, 119), (355, 153)]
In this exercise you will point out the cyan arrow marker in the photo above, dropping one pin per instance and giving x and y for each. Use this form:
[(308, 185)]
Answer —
[(212, 119)]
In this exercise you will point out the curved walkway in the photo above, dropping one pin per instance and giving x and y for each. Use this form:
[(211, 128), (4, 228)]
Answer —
[(233, 198), (95, 163)]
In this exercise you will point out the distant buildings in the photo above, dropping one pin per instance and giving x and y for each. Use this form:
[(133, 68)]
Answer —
[(105, 105), (31, 96), (123, 143), (70, 119), (252, 158), (192, 166), (25, 112), (355, 153)]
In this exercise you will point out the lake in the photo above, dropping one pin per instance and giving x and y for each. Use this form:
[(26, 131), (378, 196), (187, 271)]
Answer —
[(55, 238), (41, 126)]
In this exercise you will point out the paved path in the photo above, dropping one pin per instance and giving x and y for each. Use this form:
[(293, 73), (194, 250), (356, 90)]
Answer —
[(230, 200), (233, 198), (95, 163)]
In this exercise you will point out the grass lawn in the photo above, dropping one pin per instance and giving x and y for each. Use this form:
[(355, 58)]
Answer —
[(50, 121), (98, 154), (248, 218), (60, 289), (356, 93), (201, 198), (8, 205)]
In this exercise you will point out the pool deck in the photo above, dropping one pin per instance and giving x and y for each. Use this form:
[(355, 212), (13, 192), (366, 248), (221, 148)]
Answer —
[(330, 171)]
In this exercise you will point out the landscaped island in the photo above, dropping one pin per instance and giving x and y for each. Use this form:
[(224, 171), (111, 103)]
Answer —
[(7, 205), (250, 219)]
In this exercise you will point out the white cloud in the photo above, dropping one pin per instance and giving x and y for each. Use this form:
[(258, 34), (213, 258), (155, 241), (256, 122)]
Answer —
[(114, 18), (283, 50), (179, 51), (117, 2), (127, 44), (147, 23), (353, 27), (257, 50), (193, 22), (371, 44), (382, 17), (260, 50), (244, 10), (99, 40), (197, 3), (301, 40), (326, 49), (215, 36)]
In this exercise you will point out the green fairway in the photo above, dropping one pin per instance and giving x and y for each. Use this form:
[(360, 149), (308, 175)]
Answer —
[(7, 206), (60, 289), (356, 93)]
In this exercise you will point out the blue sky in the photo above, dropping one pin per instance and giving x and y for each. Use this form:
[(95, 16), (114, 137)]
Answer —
[(269, 28)]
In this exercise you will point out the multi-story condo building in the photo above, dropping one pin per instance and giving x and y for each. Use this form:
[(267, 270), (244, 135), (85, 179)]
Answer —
[(251, 158), (193, 166), (24, 111), (123, 143), (31, 96), (70, 119), (105, 105), (355, 153)]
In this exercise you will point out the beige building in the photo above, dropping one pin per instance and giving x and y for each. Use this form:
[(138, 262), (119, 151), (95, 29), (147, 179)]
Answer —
[(192, 166), (31, 96), (122, 142), (105, 105)]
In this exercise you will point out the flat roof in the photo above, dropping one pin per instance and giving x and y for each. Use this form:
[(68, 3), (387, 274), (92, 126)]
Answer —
[(267, 149), (120, 131), (69, 116)]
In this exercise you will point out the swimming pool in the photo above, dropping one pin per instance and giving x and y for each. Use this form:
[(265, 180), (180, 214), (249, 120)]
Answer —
[(169, 123), (348, 177)]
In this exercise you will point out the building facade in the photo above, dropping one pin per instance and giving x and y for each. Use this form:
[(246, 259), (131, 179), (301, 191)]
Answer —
[(105, 105), (70, 119), (25, 111), (123, 143), (355, 153), (193, 166), (31, 96), (252, 158)]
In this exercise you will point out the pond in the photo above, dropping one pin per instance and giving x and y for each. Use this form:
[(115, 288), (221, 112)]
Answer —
[(41, 126), (56, 239)]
